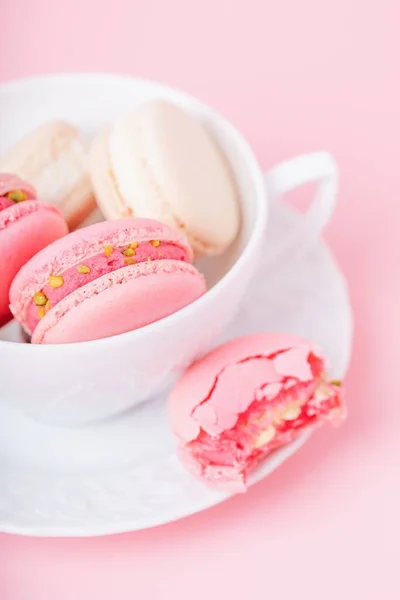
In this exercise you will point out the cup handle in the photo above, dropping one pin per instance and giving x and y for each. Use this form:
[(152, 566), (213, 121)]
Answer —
[(315, 167)]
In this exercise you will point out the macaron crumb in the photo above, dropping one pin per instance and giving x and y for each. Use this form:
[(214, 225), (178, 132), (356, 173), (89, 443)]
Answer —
[(56, 281), (265, 436), (40, 299), (41, 311), (83, 269), (17, 196)]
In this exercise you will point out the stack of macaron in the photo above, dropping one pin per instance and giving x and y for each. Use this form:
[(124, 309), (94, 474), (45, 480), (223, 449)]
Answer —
[(158, 162), (167, 193), (158, 176)]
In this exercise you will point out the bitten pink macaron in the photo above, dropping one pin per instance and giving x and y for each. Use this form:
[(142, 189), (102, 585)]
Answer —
[(105, 279), (26, 226), (247, 398)]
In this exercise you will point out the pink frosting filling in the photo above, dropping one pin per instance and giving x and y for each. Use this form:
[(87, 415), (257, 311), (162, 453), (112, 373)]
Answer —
[(100, 265), (5, 202), (230, 443)]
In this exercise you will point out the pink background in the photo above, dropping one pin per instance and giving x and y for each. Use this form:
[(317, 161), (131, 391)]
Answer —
[(294, 76)]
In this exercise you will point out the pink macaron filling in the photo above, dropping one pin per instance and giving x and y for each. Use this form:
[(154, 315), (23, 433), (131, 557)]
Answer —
[(271, 400), (60, 285), (5, 202)]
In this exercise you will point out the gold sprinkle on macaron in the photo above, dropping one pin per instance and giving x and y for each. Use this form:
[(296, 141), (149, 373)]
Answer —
[(129, 260), (336, 382), (41, 311), (155, 243), (108, 250), (48, 305), (17, 196), (40, 299), (129, 252), (56, 281), (148, 259), (83, 269), (134, 245)]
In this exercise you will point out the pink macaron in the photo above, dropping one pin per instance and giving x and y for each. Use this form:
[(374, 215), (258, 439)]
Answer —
[(245, 399), (103, 280), (26, 226)]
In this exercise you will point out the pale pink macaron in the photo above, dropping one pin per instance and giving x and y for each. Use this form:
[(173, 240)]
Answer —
[(163, 163), (103, 280), (26, 226), (53, 158), (232, 408)]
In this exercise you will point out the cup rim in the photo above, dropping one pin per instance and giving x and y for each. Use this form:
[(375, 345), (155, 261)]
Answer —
[(252, 167)]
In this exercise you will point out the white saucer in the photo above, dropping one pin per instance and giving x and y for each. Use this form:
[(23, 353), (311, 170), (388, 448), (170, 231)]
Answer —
[(123, 475)]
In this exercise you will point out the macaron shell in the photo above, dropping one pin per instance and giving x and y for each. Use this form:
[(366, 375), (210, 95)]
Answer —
[(168, 167), (24, 230), (199, 380), (125, 300), (108, 197), (54, 159)]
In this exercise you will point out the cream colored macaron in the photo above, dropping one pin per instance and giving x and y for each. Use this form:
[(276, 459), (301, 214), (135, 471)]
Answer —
[(160, 162), (54, 160)]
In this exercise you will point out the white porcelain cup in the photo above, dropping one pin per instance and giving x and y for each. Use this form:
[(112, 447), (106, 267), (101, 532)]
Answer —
[(79, 383)]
